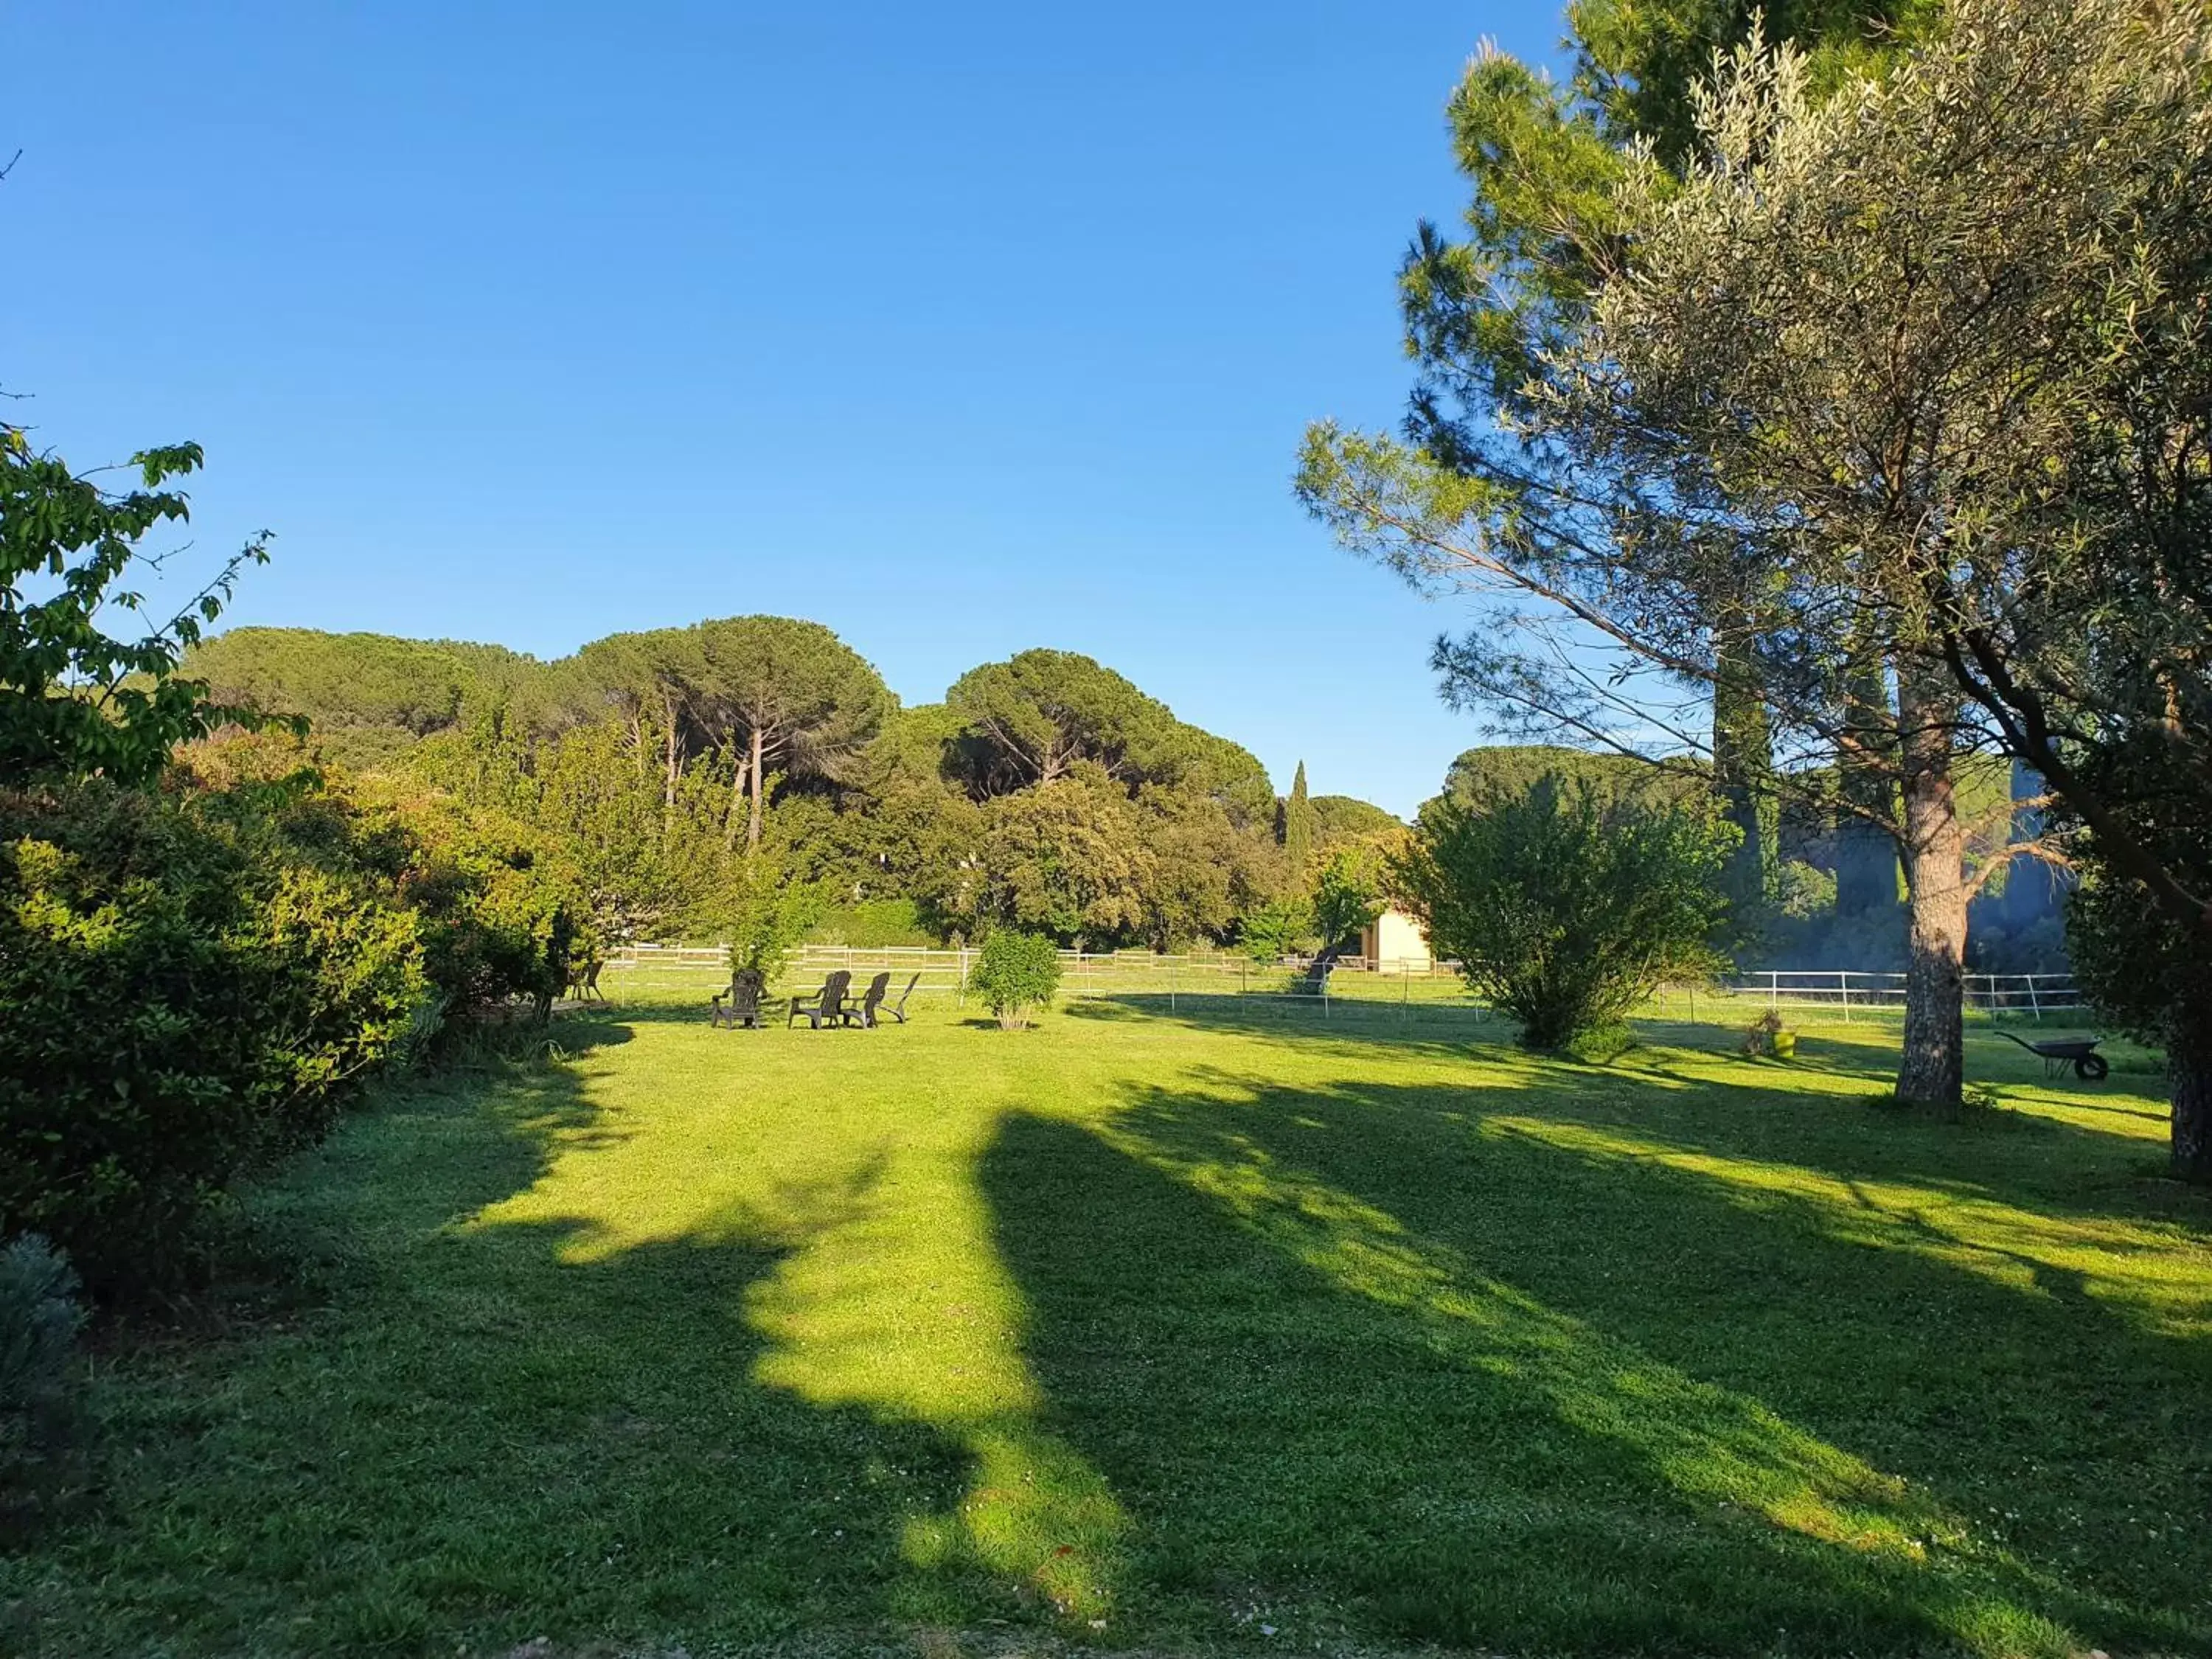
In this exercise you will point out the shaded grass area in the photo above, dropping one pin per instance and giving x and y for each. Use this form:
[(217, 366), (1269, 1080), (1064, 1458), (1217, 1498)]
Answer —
[(1178, 1327)]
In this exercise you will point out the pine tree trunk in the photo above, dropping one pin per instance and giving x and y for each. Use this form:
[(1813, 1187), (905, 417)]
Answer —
[(738, 798), (753, 830), (1932, 1070), (671, 767), (2189, 1068)]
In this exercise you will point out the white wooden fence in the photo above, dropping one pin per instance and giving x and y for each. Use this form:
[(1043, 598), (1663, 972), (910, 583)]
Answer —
[(944, 972), (2034, 995)]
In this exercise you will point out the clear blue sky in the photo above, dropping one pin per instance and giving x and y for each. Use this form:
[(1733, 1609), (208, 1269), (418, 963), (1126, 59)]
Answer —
[(961, 329)]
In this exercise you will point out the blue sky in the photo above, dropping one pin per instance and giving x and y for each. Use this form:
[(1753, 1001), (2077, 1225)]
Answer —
[(960, 329)]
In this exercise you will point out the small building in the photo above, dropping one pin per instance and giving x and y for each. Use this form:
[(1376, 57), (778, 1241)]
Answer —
[(1395, 940)]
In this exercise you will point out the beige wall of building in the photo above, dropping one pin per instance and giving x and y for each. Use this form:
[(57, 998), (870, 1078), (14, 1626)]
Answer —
[(1394, 938)]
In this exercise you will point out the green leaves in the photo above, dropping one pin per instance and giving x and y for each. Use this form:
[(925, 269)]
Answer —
[(75, 702), (1015, 973), (1564, 908)]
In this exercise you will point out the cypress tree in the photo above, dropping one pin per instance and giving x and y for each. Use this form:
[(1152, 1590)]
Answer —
[(1298, 823)]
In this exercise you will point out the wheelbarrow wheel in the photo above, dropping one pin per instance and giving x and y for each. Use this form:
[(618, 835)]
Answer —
[(2092, 1068)]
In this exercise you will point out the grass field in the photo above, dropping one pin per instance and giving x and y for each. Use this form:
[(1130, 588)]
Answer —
[(1221, 1327)]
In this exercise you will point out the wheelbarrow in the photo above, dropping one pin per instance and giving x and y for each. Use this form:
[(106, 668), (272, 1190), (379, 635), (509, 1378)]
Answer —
[(2057, 1052)]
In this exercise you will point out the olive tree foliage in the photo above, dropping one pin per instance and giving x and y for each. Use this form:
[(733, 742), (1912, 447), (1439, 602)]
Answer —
[(1639, 64), (1932, 346), (1822, 381), (75, 701), (1565, 908)]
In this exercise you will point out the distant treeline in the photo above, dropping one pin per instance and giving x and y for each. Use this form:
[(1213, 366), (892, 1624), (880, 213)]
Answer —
[(1045, 790)]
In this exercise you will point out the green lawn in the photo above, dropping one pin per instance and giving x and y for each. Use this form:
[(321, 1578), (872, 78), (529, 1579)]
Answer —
[(1224, 1327)]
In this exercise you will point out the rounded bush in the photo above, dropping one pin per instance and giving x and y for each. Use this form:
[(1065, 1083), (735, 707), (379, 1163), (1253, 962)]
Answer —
[(1015, 973), (187, 999)]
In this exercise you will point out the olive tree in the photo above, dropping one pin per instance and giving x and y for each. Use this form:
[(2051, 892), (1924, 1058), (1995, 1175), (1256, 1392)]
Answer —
[(1933, 345)]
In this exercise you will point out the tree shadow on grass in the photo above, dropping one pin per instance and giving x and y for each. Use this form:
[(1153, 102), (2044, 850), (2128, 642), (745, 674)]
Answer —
[(1823, 1112), (1370, 1353), (486, 1433)]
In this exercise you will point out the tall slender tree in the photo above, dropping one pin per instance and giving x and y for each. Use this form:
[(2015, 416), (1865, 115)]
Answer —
[(1298, 826)]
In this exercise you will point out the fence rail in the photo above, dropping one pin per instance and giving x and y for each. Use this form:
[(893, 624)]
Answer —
[(938, 971), (2031, 995)]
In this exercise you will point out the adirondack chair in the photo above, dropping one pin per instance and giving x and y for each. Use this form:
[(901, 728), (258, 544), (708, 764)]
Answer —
[(825, 1007), (897, 1010), (870, 1000), (741, 1004)]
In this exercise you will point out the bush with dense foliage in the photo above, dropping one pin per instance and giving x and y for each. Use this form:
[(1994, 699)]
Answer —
[(1564, 908), (189, 994), (873, 924), (1015, 973), (1348, 893), (498, 913), (1281, 927), (40, 1377)]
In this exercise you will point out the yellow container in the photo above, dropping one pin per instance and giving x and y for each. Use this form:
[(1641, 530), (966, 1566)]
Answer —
[(1785, 1045)]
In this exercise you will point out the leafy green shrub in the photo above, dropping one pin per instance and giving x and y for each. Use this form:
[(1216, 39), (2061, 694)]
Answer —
[(188, 998), (1599, 1043), (498, 918), (499, 907), (1565, 908), (1015, 973), (1347, 894), (1282, 927), (873, 924), (39, 1382)]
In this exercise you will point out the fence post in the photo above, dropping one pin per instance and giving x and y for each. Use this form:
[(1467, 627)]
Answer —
[(2034, 1002), (1773, 989), (1844, 975), (1171, 984), (1406, 988)]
